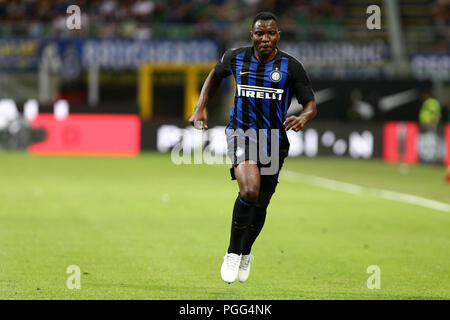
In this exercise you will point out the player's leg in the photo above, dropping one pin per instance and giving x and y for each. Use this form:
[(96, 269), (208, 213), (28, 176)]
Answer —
[(256, 224), (268, 185), (247, 175)]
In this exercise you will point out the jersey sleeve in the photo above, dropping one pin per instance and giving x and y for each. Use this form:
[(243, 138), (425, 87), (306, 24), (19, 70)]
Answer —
[(223, 67), (301, 84)]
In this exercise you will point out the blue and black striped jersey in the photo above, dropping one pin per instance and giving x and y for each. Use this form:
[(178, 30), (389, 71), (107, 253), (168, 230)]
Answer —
[(264, 90)]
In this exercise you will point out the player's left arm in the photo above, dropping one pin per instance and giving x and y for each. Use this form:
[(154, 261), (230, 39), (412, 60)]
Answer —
[(305, 96), (297, 123)]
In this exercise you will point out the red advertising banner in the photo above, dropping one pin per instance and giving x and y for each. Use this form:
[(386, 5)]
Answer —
[(88, 134), (400, 142)]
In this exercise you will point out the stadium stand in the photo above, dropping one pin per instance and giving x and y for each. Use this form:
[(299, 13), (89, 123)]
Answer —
[(425, 25)]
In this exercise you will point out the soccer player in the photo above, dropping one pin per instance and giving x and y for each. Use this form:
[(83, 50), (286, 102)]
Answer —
[(266, 79)]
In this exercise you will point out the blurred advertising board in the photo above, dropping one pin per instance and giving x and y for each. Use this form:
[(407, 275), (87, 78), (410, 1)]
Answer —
[(349, 60), (125, 135), (431, 66), (123, 54), (318, 139), (395, 142), (115, 54), (19, 54), (408, 143), (88, 134)]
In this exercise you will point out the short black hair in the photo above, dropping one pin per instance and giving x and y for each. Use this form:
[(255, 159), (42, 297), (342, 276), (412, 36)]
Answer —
[(264, 15)]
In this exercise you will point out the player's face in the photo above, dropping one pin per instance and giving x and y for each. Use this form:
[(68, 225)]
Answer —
[(265, 36)]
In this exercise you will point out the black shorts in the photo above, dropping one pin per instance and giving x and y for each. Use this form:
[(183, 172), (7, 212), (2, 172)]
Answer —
[(238, 154)]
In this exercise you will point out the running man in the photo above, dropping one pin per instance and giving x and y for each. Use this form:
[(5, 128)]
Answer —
[(266, 79)]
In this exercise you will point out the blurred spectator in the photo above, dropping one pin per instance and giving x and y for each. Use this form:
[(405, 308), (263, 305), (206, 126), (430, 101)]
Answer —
[(430, 112), (144, 19), (108, 10), (441, 13), (142, 9)]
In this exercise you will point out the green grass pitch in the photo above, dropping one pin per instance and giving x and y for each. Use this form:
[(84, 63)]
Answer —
[(145, 228)]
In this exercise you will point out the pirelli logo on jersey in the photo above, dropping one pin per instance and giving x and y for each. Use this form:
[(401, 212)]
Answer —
[(259, 92)]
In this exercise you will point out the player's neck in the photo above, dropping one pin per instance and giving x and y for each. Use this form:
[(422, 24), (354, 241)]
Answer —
[(265, 59)]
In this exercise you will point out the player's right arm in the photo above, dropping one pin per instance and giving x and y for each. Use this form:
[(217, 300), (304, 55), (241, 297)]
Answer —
[(209, 89)]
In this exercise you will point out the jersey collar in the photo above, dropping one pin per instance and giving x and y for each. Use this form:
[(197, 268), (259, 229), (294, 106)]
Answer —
[(252, 48)]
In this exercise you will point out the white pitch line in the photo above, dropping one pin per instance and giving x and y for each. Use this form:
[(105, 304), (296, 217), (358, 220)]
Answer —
[(359, 190)]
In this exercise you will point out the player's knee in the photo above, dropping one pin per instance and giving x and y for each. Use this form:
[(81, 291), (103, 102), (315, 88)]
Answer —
[(250, 193)]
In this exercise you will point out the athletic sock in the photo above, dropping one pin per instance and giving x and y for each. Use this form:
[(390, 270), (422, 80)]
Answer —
[(241, 218), (257, 220)]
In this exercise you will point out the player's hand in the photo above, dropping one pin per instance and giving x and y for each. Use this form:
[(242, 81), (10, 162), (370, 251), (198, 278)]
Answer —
[(198, 119), (295, 123)]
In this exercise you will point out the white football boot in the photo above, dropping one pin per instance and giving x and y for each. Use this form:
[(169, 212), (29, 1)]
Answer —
[(244, 267), (230, 267)]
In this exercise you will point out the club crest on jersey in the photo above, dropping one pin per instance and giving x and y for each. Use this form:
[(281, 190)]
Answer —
[(275, 76)]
